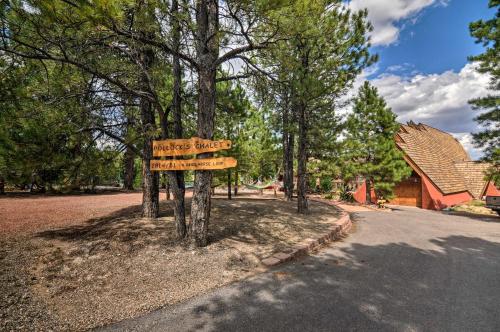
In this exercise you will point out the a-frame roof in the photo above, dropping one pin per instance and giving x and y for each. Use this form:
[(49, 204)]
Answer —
[(442, 158)]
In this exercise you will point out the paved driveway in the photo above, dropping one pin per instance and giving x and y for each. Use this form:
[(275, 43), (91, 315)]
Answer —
[(406, 270)]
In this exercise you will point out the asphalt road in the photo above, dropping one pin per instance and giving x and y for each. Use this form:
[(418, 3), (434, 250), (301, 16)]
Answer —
[(406, 270)]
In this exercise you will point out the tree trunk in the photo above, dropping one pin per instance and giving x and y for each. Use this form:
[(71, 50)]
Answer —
[(289, 160), (236, 182), (128, 169), (2, 185), (167, 186), (285, 150), (207, 52), (176, 178), (302, 204), (150, 180), (229, 183), (288, 145)]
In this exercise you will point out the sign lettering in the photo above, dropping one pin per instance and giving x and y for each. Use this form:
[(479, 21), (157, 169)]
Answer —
[(195, 145), (193, 164)]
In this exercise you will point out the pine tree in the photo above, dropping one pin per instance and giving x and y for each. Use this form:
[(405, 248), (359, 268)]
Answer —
[(488, 34), (370, 149), (324, 49)]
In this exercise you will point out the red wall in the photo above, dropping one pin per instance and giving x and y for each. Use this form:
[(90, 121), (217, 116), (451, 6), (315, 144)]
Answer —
[(360, 194), (491, 190), (433, 199)]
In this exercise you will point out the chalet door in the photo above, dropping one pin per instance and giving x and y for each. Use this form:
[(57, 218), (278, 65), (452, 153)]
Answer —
[(408, 192)]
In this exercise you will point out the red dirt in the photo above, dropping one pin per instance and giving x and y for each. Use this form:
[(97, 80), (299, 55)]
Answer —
[(30, 214), (24, 214)]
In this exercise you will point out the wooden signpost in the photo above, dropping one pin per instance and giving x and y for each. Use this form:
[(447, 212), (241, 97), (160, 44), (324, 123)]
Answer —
[(180, 147), (195, 145), (193, 164)]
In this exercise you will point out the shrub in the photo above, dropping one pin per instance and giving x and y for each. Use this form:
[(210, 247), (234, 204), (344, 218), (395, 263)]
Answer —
[(326, 184), (345, 194)]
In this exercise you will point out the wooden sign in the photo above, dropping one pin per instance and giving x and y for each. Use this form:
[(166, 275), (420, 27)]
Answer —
[(194, 145), (193, 164)]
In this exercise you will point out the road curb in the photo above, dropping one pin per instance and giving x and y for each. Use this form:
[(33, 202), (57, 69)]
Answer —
[(337, 231)]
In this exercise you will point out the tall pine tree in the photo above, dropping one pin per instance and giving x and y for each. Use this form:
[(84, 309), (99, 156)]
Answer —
[(487, 33), (370, 149)]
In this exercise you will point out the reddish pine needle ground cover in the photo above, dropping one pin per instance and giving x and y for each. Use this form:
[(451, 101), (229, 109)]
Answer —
[(25, 213)]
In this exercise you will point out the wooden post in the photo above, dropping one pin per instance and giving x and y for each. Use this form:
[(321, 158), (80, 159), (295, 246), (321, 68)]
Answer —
[(167, 188), (229, 183), (236, 182)]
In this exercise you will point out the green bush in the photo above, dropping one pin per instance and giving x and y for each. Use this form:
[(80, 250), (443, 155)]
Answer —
[(312, 183), (345, 194), (326, 184)]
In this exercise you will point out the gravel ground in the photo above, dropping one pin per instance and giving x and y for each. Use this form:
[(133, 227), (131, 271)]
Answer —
[(98, 270), (20, 309)]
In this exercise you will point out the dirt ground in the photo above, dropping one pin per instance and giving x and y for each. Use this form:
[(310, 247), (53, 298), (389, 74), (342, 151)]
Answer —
[(77, 262), (26, 213)]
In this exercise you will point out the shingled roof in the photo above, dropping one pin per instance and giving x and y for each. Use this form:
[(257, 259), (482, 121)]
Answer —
[(473, 173), (442, 158)]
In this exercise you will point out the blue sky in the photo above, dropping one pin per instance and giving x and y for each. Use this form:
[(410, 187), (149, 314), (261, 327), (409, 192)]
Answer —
[(439, 40), (423, 71)]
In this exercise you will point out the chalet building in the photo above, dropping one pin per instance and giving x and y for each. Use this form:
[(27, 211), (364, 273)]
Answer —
[(443, 173)]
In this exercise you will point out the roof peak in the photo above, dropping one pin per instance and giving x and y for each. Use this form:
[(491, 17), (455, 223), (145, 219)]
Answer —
[(422, 126)]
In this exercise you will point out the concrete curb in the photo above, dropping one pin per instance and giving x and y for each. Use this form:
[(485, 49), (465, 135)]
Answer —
[(336, 231)]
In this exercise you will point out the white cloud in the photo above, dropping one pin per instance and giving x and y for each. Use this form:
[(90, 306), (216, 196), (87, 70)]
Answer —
[(439, 100), (384, 14), (466, 140), (402, 69)]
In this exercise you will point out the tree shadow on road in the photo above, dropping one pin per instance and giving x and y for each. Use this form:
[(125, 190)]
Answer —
[(396, 287)]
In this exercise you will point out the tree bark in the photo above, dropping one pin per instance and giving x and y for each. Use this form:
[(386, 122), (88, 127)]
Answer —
[(176, 178), (290, 156), (167, 186), (150, 180), (302, 204), (207, 52), (128, 169), (288, 145), (285, 150), (229, 183), (2, 185)]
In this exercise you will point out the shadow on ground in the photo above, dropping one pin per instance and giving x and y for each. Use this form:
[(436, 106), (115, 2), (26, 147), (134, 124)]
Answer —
[(393, 287), (244, 220), (121, 265)]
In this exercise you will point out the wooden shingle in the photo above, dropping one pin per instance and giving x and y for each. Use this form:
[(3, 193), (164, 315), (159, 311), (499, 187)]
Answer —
[(442, 158)]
